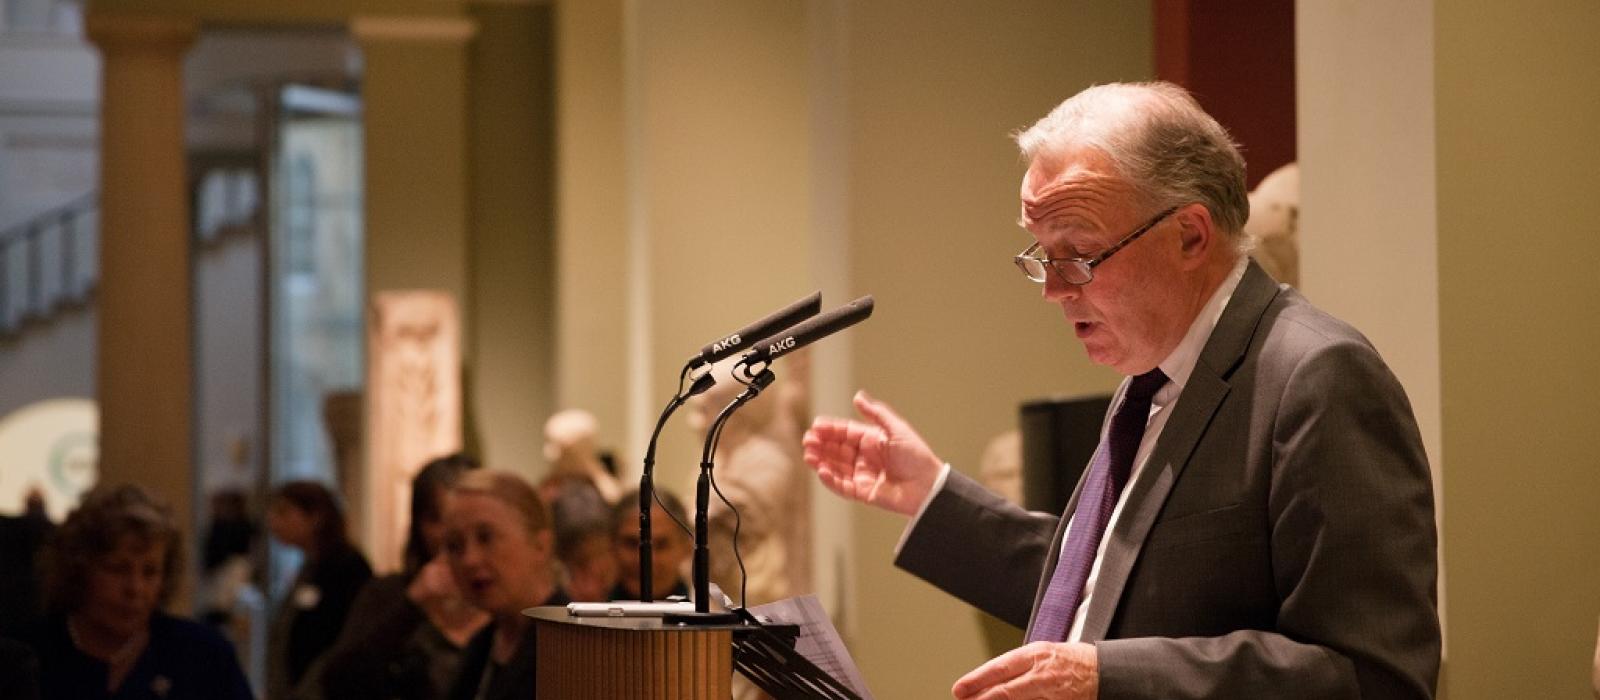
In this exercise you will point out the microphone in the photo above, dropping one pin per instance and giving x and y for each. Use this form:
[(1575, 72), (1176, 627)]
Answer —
[(807, 332), (774, 323)]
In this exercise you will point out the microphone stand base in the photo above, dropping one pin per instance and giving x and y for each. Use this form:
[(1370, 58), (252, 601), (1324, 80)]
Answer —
[(700, 619)]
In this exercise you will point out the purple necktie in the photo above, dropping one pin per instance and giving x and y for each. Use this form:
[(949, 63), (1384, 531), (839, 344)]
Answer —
[(1108, 474)]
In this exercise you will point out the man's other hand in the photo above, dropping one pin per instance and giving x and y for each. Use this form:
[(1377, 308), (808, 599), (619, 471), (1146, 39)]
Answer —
[(883, 462), (1038, 670)]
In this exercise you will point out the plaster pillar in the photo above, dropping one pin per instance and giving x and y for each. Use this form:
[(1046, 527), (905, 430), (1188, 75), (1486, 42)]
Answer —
[(414, 96), (144, 359), (414, 101), (512, 251)]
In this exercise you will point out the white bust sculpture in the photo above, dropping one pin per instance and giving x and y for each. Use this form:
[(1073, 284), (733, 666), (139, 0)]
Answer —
[(569, 446), (1275, 224)]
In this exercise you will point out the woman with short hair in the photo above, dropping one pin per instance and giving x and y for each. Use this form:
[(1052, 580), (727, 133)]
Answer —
[(108, 571), (500, 547)]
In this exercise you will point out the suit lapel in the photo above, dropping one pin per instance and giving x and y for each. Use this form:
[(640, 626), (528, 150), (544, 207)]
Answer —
[(1191, 416)]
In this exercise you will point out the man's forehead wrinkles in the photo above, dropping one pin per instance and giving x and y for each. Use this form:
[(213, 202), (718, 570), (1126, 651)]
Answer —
[(1066, 203), (1072, 180), (1077, 190)]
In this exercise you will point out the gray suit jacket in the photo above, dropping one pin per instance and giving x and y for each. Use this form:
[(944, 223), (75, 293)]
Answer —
[(1279, 542)]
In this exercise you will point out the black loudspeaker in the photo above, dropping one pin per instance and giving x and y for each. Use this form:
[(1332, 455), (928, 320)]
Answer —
[(1059, 437)]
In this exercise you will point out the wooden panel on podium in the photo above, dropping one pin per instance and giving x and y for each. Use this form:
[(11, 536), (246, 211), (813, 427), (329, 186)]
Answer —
[(614, 657)]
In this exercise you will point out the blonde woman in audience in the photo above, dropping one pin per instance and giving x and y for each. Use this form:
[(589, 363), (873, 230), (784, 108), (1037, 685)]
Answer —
[(500, 546)]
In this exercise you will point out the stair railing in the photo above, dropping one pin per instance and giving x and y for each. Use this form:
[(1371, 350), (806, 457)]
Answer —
[(49, 263)]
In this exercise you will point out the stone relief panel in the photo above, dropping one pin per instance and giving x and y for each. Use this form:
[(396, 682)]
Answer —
[(413, 406)]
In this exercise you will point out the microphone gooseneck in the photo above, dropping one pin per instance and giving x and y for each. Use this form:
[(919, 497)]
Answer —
[(701, 573), (795, 312), (647, 477)]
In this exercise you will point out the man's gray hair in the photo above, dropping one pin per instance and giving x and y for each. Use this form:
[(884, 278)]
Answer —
[(1160, 140)]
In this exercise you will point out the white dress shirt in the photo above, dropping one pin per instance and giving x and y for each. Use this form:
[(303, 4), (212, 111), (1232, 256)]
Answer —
[(1177, 366)]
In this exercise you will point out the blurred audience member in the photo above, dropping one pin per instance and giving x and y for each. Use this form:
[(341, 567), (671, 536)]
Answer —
[(305, 515), (499, 544), (232, 532), (20, 539), (228, 598), (670, 546), (114, 561), (570, 447), (583, 536), (404, 636), (226, 560)]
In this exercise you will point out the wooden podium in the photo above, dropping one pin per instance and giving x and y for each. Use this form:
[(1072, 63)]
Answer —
[(630, 657)]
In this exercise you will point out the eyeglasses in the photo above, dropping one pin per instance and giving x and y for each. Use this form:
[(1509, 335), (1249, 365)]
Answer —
[(1077, 271)]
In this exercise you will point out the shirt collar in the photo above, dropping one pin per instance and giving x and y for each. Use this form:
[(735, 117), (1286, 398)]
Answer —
[(1180, 364)]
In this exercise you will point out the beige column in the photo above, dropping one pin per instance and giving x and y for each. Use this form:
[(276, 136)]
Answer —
[(511, 259), (1516, 106), (591, 240), (414, 96), (414, 99), (144, 360)]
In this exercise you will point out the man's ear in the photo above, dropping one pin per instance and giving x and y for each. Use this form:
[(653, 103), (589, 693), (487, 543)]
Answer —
[(1197, 234)]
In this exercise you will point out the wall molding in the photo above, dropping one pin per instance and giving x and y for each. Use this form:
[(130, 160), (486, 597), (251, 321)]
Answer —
[(413, 29)]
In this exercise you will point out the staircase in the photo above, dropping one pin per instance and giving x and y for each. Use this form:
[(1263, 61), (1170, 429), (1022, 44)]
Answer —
[(48, 264), (49, 103)]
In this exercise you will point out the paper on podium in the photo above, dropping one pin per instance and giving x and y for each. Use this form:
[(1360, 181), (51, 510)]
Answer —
[(819, 642)]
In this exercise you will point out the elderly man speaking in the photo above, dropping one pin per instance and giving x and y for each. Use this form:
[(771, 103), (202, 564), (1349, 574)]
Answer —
[(1258, 519)]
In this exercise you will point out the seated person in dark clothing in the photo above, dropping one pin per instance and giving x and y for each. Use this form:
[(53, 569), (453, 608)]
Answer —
[(19, 670), (404, 636), (501, 551), (109, 567), (20, 539), (670, 546), (306, 516)]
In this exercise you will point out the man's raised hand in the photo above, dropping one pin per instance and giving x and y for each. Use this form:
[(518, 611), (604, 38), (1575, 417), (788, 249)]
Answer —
[(881, 462)]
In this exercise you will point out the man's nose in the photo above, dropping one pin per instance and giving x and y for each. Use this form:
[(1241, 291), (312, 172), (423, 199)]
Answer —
[(1057, 289)]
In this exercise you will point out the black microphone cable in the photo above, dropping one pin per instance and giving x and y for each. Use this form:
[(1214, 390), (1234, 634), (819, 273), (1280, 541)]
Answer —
[(753, 387)]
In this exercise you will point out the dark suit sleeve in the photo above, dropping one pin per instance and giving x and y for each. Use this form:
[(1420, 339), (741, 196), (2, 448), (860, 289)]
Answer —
[(980, 548), (1352, 539)]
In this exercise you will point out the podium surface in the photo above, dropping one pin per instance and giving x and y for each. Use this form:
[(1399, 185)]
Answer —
[(630, 657)]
